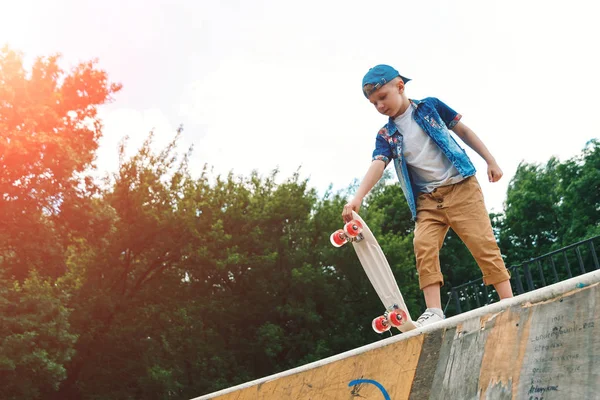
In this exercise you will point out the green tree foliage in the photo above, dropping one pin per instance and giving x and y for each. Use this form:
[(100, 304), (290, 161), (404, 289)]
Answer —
[(580, 195), (35, 338), (143, 233), (48, 137), (551, 206), (531, 221)]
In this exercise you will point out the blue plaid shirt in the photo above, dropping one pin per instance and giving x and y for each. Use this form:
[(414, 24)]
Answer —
[(436, 119)]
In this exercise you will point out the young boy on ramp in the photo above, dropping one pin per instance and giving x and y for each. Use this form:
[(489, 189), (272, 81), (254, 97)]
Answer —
[(438, 181)]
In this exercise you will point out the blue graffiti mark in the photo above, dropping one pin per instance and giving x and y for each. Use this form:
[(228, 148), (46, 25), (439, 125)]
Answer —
[(580, 285), (355, 382)]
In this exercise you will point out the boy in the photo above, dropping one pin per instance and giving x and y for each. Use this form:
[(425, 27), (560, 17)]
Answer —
[(438, 181)]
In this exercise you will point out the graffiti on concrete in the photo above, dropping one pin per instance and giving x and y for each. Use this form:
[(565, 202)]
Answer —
[(358, 384)]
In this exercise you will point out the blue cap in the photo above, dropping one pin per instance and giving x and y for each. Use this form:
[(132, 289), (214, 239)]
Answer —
[(378, 76)]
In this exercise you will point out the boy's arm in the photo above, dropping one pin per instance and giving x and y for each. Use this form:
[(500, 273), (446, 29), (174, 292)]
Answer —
[(472, 140), (372, 176)]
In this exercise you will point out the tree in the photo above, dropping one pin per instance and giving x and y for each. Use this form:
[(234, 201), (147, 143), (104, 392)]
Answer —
[(551, 206), (580, 202), (36, 341), (143, 231), (49, 133), (48, 138), (530, 225)]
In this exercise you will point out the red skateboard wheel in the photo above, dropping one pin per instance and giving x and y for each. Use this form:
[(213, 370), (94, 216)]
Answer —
[(338, 238), (353, 228), (397, 318), (380, 324)]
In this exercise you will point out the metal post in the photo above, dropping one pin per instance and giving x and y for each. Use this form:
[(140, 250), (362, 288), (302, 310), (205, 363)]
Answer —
[(457, 301), (567, 264), (518, 280), (528, 278), (580, 260), (594, 256), (541, 269), (477, 301), (486, 294), (553, 269)]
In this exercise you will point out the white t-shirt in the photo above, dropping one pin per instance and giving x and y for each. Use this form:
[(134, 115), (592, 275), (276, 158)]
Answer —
[(429, 166)]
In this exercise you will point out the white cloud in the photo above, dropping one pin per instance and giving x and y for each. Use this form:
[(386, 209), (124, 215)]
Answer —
[(136, 125), (266, 84)]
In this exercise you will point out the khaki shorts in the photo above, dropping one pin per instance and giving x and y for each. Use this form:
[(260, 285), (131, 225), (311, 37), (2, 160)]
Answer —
[(460, 207)]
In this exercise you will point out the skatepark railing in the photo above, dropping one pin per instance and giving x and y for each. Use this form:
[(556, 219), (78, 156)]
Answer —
[(553, 267)]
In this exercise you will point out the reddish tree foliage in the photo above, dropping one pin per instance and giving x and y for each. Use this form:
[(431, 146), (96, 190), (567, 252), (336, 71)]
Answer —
[(49, 133)]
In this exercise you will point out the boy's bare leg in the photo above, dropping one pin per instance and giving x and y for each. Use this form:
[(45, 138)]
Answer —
[(504, 289), (432, 296)]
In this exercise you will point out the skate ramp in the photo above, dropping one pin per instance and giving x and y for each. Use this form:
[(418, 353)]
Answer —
[(543, 344)]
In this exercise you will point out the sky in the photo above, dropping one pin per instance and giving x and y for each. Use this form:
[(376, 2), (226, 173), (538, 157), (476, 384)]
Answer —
[(266, 84)]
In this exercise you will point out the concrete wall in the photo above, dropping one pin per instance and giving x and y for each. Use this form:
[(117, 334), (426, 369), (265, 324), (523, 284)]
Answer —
[(542, 345)]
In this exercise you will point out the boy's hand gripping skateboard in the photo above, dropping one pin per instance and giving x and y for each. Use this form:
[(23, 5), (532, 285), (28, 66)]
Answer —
[(379, 273)]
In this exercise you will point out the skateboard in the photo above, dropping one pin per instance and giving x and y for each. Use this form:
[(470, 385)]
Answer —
[(379, 273)]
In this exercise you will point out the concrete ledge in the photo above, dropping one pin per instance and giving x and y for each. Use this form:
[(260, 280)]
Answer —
[(545, 343)]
